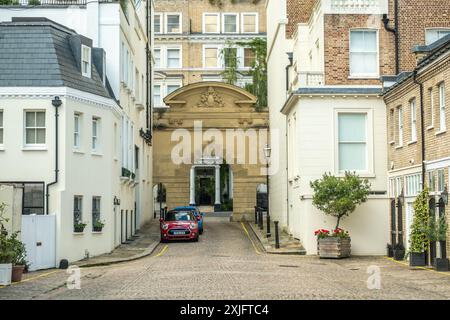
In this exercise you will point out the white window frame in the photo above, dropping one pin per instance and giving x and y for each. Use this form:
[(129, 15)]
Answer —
[(431, 95), (166, 57), (166, 22), (88, 72), (237, 22), (256, 15), (160, 104), (161, 23), (437, 30), (2, 128), (413, 118), (164, 92), (442, 115), (364, 75), (79, 200), (34, 145), (160, 49), (369, 171), (95, 142), (77, 133), (242, 60), (204, 22), (218, 48), (400, 126)]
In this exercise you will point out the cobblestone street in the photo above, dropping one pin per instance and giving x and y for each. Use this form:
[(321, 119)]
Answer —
[(227, 263)]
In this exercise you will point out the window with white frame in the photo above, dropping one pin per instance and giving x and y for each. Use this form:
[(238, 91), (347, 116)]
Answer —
[(86, 61), (433, 35), (35, 128), (77, 130), (413, 111), (157, 97), (413, 185), (230, 57), (352, 135), (400, 126), (211, 57), (249, 23), (137, 88), (173, 58), (173, 22), (157, 56), (157, 23), (211, 23), (96, 216), (441, 180), (363, 53), (171, 88), (431, 98), (1, 127), (442, 119), (125, 66), (77, 209), (391, 125), (432, 181), (230, 23), (249, 57), (95, 133), (142, 97)]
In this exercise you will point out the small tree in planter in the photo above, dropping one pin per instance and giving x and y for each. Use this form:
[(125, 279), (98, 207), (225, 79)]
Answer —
[(418, 240), (6, 250), (436, 231), (338, 197)]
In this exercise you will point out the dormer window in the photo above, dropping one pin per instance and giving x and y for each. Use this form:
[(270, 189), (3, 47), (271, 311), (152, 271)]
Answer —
[(86, 61)]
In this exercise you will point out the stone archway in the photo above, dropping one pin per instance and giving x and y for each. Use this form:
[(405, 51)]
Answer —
[(209, 124)]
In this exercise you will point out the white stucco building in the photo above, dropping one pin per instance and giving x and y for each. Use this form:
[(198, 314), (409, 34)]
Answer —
[(119, 168), (334, 117)]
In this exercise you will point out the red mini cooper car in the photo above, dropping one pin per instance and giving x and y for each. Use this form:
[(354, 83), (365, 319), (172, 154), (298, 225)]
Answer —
[(179, 225)]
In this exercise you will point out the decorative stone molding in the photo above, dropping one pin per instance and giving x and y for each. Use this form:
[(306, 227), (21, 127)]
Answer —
[(210, 99)]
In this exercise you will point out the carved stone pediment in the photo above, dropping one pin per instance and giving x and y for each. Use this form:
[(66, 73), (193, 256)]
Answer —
[(210, 99)]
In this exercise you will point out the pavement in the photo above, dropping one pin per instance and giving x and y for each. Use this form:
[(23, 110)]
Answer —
[(229, 263), (288, 244), (141, 245)]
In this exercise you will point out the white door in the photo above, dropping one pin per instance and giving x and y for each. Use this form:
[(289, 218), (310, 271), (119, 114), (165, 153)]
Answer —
[(409, 220), (39, 236)]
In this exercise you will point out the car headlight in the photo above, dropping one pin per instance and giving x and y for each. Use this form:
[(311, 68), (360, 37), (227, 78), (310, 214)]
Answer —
[(192, 226), (165, 226)]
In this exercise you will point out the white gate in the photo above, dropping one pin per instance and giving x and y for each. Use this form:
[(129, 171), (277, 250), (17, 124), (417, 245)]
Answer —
[(39, 235)]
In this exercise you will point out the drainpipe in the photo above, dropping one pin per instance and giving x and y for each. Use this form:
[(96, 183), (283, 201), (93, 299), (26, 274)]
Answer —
[(148, 64), (395, 31), (291, 61), (290, 57), (422, 128), (56, 102)]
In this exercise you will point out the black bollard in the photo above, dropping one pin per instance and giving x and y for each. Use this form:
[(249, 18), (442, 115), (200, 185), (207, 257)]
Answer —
[(256, 215), (268, 235), (260, 219), (277, 236)]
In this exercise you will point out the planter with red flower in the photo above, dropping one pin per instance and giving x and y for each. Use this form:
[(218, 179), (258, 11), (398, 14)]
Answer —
[(335, 245), (337, 197)]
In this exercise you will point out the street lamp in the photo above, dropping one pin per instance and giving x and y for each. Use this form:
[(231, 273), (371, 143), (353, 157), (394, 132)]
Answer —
[(267, 152)]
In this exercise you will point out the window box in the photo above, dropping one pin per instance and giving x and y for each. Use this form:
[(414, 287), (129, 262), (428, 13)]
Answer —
[(78, 227)]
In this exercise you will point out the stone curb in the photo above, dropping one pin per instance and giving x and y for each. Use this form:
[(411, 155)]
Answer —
[(268, 248), (148, 251)]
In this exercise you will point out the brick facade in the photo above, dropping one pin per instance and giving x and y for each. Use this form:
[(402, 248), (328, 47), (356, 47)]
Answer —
[(437, 142), (298, 11), (337, 46)]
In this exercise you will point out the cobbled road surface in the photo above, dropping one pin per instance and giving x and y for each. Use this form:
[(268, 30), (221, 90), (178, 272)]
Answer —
[(227, 263)]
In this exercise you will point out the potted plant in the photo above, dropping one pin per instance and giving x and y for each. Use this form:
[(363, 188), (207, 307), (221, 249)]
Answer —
[(19, 261), (418, 240), (6, 251), (338, 197), (79, 226), (436, 231), (98, 225), (399, 252)]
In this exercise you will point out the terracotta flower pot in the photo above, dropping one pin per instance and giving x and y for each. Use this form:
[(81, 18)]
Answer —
[(17, 272)]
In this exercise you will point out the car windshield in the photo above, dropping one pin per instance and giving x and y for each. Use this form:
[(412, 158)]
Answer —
[(179, 216), (194, 211)]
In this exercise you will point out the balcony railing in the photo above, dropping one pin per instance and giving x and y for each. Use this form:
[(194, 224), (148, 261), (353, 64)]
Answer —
[(49, 2), (309, 79), (358, 6)]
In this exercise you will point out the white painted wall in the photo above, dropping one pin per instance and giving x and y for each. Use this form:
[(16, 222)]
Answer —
[(315, 154), (278, 46)]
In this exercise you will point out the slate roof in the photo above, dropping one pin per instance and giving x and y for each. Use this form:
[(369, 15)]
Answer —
[(36, 52)]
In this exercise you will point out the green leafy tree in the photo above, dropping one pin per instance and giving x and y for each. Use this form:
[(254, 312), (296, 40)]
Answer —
[(231, 63), (418, 240), (339, 196)]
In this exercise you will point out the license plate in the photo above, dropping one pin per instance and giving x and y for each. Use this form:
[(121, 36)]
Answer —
[(178, 232)]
